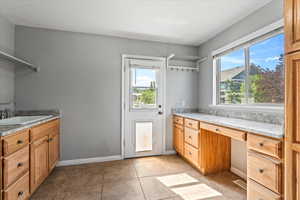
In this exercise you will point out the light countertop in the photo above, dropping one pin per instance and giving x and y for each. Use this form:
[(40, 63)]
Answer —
[(6, 130), (265, 129)]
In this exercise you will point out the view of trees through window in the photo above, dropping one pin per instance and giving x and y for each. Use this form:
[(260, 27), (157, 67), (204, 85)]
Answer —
[(262, 81), (143, 88)]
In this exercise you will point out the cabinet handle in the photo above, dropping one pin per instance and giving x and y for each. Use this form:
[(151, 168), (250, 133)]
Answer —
[(20, 193), (20, 142), (261, 171), (261, 144), (20, 165)]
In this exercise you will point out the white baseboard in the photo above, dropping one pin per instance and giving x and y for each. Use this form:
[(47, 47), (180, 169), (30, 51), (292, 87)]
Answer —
[(88, 160), (238, 172), (170, 152)]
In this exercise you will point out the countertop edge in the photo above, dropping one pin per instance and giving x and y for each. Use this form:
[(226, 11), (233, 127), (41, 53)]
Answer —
[(13, 130), (250, 130)]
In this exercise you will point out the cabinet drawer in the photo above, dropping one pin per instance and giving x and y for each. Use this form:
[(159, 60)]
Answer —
[(265, 145), (256, 191), (44, 129), (265, 171), (191, 154), (232, 133), (191, 124), (19, 190), (15, 166), (178, 120), (15, 142), (191, 136)]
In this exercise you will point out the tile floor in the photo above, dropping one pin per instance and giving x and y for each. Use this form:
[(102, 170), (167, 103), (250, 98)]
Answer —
[(149, 178)]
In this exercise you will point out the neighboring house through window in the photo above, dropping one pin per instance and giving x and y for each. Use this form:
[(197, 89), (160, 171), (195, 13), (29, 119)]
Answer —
[(251, 73)]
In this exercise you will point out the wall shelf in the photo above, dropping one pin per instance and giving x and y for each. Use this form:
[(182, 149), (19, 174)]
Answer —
[(195, 59), (16, 60)]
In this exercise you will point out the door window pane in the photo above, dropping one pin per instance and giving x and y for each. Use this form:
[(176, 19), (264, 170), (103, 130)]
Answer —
[(143, 136), (143, 88), (232, 78), (267, 71)]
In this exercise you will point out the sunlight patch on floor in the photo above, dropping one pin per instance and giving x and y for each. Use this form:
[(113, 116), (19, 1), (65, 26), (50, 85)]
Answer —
[(196, 192), (177, 179)]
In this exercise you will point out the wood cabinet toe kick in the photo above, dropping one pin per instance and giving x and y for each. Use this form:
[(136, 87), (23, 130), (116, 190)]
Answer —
[(26, 162), (207, 147)]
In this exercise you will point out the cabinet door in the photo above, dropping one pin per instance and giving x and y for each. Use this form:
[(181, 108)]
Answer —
[(292, 25), (53, 150), (292, 126), (178, 138), (39, 162)]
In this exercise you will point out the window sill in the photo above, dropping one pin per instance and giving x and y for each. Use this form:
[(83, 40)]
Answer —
[(253, 108)]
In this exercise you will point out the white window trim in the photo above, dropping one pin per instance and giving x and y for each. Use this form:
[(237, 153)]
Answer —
[(251, 36), (247, 107)]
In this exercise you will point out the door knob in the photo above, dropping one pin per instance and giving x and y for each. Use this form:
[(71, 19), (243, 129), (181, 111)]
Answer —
[(160, 112)]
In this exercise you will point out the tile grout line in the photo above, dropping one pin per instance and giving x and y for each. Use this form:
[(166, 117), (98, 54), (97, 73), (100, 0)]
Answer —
[(140, 182)]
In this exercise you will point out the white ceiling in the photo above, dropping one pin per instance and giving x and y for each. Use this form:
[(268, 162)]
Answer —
[(188, 22)]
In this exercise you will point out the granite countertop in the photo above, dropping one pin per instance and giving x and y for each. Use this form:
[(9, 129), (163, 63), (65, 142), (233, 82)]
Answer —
[(6, 130), (266, 129)]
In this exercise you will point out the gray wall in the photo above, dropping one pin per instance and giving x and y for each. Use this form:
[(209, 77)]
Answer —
[(7, 74), (81, 75), (262, 17)]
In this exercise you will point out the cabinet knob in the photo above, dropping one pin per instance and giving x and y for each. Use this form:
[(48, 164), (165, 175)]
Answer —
[(190, 137), (190, 124), (190, 153), (20, 142), (20, 165), (217, 129), (261, 144), (20, 193), (261, 171)]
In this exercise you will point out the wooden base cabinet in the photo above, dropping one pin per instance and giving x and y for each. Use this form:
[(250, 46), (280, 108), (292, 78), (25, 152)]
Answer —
[(39, 162), (209, 152), (27, 159), (44, 152)]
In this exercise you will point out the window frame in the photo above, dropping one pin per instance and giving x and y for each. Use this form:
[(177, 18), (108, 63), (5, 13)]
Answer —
[(245, 44)]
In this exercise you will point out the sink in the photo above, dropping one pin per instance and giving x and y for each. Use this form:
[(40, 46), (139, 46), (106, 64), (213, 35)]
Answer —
[(22, 120)]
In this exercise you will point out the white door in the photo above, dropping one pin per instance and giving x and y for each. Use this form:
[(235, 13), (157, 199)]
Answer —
[(144, 106)]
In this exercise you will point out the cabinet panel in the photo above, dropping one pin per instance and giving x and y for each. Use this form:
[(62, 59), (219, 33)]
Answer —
[(257, 191), (292, 126), (265, 171), (53, 150), (39, 162), (13, 143), (19, 190), (178, 120), (178, 138), (191, 154), (191, 137), (292, 25), (15, 166), (265, 145), (232, 133), (190, 123)]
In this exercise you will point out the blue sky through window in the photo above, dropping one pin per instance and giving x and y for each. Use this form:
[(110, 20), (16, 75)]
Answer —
[(142, 77), (264, 54)]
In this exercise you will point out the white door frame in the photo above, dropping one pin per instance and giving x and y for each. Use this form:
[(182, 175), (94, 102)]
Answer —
[(124, 56)]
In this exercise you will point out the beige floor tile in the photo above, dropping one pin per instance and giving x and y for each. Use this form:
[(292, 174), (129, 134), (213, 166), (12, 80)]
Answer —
[(83, 196), (127, 190), (119, 173), (154, 189)]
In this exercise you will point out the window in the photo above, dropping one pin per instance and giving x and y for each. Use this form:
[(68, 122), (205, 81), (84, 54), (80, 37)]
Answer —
[(143, 88), (252, 73)]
